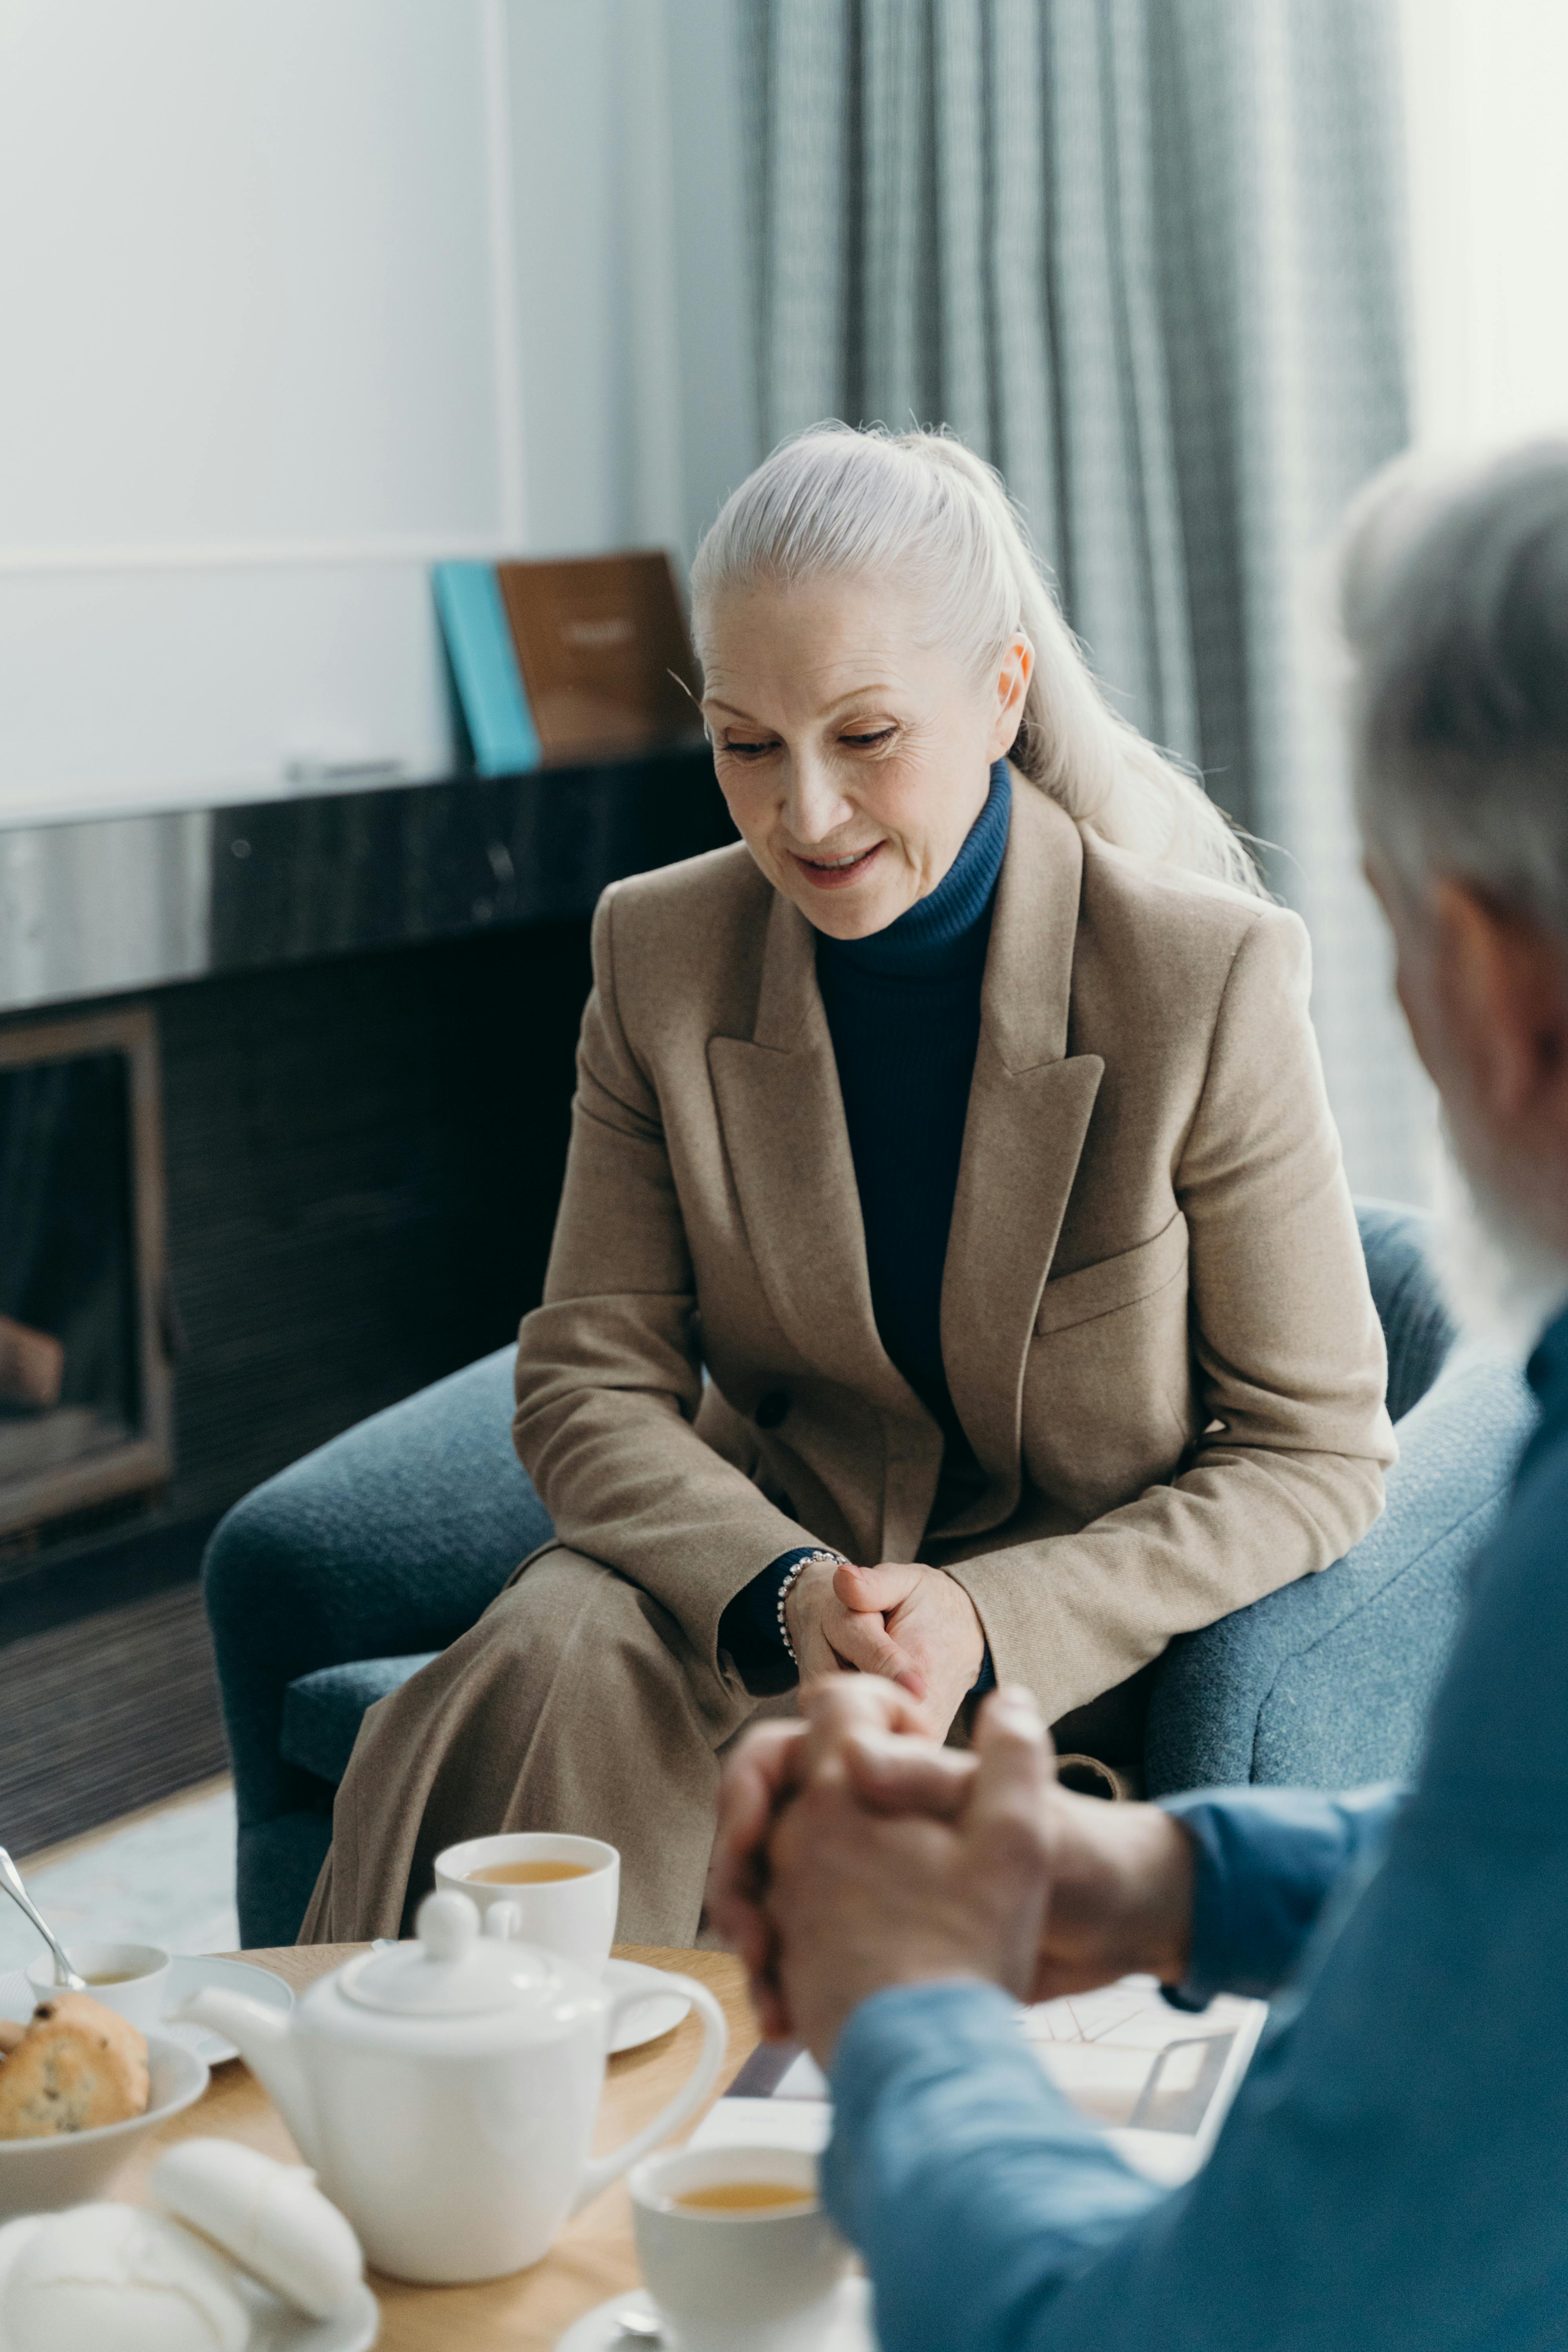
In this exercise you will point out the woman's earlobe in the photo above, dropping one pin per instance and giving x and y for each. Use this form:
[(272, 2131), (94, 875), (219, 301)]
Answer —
[(1009, 735)]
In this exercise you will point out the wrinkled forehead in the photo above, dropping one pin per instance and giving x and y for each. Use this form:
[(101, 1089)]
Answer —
[(803, 647)]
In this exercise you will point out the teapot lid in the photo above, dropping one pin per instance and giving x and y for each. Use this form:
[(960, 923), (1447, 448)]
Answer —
[(452, 1971)]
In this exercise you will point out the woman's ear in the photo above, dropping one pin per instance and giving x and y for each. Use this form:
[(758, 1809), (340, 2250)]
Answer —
[(1012, 691)]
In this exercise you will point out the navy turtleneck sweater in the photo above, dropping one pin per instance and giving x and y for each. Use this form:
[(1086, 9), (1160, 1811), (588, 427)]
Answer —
[(903, 1009)]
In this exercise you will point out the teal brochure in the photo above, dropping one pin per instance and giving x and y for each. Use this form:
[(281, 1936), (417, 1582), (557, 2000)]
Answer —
[(478, 644)]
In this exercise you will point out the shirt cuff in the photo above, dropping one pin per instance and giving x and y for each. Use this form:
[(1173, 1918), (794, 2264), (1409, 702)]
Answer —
[(750, 1627), (1266, 1861)]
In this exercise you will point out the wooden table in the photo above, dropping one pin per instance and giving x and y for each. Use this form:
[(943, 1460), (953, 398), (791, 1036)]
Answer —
[(592, 2259)]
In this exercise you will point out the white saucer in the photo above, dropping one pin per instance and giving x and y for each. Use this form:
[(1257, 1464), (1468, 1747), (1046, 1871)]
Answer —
[(186, 1976), (274, 2327), (660, 2013), (848, 2330)]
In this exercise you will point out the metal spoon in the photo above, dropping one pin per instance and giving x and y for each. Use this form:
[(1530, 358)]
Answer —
[(65, 1975)]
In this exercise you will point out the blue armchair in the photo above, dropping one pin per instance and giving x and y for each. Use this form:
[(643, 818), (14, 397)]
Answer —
[(335, 1582)]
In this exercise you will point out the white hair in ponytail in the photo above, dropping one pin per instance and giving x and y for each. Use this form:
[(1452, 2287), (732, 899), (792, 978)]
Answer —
[(921, 508)]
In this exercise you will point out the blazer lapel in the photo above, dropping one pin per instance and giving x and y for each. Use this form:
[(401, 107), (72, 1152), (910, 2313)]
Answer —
[(788, 1146), (1029, 1109)]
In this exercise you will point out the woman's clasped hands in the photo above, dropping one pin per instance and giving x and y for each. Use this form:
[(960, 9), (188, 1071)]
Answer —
[(912, 1625)]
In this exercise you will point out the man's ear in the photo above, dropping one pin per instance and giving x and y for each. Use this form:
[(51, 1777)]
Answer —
[(1502, 983)]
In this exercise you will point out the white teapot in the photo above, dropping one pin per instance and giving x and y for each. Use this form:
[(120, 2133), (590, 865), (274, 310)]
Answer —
[(445, 2090)]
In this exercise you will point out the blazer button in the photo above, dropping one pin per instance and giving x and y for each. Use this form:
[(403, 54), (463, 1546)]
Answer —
[(772, 1408)]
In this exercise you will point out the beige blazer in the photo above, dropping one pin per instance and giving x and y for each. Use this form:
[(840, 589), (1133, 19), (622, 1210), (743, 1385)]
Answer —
[(1156, 1323)]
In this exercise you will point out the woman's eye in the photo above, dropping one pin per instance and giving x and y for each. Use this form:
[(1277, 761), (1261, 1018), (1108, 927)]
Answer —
[(868, 743), (748, 750)]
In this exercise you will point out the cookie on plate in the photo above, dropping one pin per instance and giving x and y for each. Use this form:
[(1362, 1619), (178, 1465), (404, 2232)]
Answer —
[(77, 2066)]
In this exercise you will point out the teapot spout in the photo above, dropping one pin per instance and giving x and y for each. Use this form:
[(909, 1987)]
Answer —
[(265, 2040)]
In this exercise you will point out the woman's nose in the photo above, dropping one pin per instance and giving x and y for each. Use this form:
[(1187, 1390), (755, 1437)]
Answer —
[(814, 806)]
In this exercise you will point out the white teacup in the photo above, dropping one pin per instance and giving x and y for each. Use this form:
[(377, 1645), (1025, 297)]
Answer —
[(574, 1916), (131, 1977), (758, 2278)]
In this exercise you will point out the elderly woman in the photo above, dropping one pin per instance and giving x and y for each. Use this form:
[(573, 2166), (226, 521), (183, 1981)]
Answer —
[(954, 1276)]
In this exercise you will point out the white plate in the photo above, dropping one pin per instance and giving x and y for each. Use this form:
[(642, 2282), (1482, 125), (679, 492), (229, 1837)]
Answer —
[(849, 2329), (186, 1976), (274, 2327), (660, 2013)]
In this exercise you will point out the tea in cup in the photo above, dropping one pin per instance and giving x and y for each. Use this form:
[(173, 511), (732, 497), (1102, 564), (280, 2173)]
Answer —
[(133, 1979), (565, 1890), (736, 2250)]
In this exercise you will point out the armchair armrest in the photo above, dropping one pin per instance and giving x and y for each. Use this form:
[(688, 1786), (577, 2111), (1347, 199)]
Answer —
[(386, 1543), (1326, 1684)]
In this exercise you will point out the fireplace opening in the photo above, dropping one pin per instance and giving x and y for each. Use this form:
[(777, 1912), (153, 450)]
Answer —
[(85, 1409)]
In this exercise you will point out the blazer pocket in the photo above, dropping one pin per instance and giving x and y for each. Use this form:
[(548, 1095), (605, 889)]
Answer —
[(1112, 1283)]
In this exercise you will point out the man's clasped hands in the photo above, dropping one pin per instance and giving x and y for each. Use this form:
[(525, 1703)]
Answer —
[(854, 1854)]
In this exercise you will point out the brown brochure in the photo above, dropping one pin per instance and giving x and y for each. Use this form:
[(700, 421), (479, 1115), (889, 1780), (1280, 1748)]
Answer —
[(603, 651)]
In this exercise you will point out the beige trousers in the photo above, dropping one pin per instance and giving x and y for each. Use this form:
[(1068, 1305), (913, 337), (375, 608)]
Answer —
[(577, 1704)]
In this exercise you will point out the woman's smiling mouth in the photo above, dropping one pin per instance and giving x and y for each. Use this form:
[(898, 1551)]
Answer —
[(833, 873)]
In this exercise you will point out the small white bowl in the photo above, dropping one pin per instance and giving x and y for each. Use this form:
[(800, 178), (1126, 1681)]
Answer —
[(142, 1970), (40, 2176)]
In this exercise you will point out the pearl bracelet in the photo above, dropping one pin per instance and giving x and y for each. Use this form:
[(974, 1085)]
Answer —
[(797, 1567)]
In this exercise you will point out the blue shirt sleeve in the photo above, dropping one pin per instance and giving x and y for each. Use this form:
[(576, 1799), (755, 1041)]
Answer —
[(943, 2066), (954, 2165), (1393, 2174), (1392, 2178), (1267, 1859)]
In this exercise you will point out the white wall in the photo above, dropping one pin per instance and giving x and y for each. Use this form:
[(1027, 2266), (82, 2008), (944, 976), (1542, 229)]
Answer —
[(635, 317), (300, 295), (1485, 84)]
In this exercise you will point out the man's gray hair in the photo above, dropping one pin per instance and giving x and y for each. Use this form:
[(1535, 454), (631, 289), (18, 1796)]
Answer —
[(1454, 599)]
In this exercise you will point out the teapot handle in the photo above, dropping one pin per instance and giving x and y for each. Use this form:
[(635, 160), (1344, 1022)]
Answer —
[(715, 2037)]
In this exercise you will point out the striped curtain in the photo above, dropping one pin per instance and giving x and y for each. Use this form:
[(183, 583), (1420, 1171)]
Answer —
[(1146, 256)]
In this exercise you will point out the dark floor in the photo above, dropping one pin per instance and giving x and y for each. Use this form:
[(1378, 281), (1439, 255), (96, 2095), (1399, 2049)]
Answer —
[(104, 1714)]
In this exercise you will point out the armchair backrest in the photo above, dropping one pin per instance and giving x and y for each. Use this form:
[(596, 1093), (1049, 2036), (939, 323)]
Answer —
[(1417, 1327)]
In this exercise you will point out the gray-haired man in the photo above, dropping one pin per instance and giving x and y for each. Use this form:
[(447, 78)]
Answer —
[(1394, 2173)]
